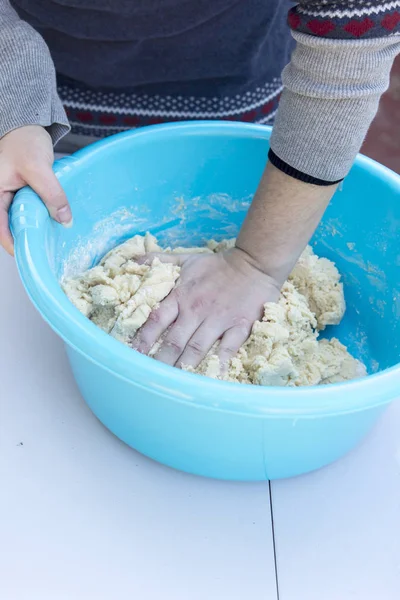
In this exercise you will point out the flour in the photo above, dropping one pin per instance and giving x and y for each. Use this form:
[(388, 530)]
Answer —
[(283, 349)]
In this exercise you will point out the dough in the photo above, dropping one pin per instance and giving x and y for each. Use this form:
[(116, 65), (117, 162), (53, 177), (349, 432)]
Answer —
[(283, 349)]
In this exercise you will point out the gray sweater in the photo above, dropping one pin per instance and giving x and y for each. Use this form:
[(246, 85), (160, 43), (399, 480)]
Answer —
[(338, 71)]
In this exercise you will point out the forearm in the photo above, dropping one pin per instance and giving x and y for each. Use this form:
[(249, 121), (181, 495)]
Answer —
[(28, 91), (281, 220), (332, 89)]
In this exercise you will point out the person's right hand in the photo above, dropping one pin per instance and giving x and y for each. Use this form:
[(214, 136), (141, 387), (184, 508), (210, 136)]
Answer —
[(26, 158)]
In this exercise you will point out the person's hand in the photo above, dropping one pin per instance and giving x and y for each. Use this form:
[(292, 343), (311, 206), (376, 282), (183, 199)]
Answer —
[(26, 158), (217, 297)]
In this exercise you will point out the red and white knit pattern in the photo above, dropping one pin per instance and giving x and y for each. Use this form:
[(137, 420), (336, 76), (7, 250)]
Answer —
[(99, 113), (340, 10), (354, 19)]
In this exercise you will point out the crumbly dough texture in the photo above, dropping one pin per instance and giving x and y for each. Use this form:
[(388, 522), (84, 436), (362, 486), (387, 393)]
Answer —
[(283, 349)]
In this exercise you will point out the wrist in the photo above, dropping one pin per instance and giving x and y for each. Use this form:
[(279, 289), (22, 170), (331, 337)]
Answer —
[(247, 261), (275, 267)]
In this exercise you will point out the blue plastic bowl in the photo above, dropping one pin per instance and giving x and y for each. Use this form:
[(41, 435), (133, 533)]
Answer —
[(187, 183)]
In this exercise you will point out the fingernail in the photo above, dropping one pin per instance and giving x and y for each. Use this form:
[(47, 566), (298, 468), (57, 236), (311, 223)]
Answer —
[(64, 216)]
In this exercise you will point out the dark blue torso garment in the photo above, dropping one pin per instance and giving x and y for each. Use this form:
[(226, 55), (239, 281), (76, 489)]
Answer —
[(176, 48)]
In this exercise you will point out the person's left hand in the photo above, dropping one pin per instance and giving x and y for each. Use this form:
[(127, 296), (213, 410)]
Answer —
[(217, 297)]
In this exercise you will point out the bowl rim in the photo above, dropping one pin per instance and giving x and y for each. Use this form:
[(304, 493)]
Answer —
[(28, 218)]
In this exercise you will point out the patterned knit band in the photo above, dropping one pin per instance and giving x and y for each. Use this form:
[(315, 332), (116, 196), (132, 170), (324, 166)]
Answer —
[(354, 19), (101, 113)]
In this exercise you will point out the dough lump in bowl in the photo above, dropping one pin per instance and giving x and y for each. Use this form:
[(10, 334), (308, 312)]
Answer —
[(283, 349)]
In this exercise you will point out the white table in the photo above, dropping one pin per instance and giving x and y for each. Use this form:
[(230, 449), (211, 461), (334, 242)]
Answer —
[(84, 517)]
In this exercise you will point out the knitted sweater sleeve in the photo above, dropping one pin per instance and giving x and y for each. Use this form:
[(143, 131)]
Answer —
[(332, 86), (28, 93)]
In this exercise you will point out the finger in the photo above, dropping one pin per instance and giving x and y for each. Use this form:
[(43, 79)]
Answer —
[(165, 257), (46, 185), (6, 239), (231, 342), (200, 344), (157, 323), (176, 339)]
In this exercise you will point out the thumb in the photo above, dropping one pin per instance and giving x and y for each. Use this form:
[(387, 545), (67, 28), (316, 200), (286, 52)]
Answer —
[(46, 185)]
